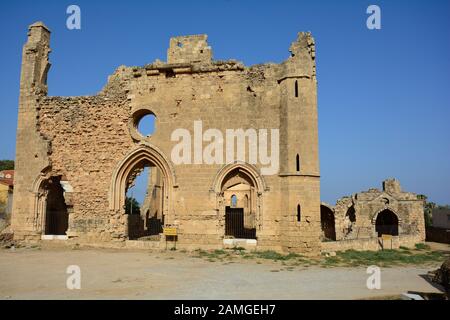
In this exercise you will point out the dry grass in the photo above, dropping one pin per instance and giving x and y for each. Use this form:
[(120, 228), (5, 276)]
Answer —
[(422, 255)]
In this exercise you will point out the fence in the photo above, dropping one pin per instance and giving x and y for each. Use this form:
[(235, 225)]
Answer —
[(234, 224), (438, 235)]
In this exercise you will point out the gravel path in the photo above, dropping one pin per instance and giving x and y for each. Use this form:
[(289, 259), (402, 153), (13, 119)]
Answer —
[(121, 274)]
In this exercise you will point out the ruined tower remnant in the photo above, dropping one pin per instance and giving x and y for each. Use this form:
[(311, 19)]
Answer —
[(32, 148), (77, 156)]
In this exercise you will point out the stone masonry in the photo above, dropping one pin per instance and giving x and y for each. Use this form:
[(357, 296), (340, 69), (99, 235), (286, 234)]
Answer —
[(365, 216), (77, 156), (90, 145)]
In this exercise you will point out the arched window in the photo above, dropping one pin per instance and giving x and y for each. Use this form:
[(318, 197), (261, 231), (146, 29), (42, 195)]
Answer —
[(299, 213), (233, 201), (298, 163), (296, 88)]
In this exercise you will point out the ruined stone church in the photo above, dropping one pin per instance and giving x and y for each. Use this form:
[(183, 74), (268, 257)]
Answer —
[(76, 157)]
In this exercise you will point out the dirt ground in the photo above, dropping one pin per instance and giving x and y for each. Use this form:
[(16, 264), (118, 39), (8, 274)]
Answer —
[(34, 273)]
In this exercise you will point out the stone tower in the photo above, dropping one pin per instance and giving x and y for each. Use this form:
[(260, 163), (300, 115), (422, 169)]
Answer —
[(31, 148), (299, 157)]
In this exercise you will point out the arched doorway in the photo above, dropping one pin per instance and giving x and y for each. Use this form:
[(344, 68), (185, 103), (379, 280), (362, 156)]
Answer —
[(156, 210), (386, 223), (144, 202), (239, 188), (56, 214), (240, 219), (327, 223)]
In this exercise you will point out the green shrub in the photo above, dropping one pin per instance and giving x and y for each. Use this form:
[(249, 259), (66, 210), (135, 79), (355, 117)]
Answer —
[(272, 255), (422, 246)]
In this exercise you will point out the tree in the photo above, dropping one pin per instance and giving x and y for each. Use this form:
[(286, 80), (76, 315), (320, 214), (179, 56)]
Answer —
[(6, 165), (427, 210), (132, 206)]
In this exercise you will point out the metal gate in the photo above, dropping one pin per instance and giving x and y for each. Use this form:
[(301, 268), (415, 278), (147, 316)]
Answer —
[(56, 222), (234, 224)]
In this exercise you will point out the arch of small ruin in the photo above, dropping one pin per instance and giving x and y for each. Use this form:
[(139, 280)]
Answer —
[(386, 221), (327, 222)]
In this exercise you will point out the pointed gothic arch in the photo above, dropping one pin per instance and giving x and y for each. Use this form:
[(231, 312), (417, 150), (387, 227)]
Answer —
[(145, 154), (244, 181), (386, 221)]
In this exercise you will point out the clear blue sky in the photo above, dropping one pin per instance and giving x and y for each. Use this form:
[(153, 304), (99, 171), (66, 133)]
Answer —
[(384, 97)]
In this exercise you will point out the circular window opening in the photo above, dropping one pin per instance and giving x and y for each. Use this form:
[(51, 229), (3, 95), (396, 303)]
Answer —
[(146, 124)]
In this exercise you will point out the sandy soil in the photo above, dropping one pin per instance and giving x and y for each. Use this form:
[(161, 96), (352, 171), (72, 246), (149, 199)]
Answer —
[(125, 274)]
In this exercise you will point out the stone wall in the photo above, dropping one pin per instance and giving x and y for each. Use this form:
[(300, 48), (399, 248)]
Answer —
[(373, 244), (92, 144)]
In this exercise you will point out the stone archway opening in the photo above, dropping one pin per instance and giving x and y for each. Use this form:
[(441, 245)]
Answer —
[(56, 213), (386, 223), (239, 192), (155, 209), (327, 223), (144, 202)]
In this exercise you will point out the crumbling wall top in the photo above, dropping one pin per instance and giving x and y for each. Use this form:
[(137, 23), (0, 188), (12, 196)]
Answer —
[(38, 32), (189, 49), (35, 63), (38, 24), (304, 43), (391, 191), (391, 186), (302, 62)]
